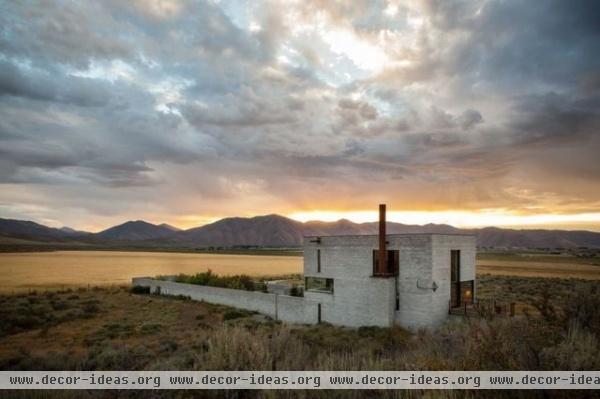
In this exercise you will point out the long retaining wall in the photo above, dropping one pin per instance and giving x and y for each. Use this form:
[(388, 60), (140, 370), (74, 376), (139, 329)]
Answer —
[(280, 307)]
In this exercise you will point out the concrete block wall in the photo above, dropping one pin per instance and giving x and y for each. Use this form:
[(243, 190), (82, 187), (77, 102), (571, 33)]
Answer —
[(443, 244), (291, 309), (358, 298), (282, 287), (340, 256), (280, 307), (354, 304), (414, 280)]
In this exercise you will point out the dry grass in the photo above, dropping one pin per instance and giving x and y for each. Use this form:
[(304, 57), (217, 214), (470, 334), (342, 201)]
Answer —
[(582, 257), (78, 268), (143, 332), (539, 269)]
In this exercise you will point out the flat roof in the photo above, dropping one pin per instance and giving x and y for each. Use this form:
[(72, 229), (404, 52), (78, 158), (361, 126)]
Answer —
[(395, 235)]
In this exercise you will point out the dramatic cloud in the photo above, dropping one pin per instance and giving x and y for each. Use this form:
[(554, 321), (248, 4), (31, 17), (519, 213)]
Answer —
[(183, 111)]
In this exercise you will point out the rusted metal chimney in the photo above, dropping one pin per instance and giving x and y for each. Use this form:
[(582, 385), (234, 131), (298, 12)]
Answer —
[(382, 266)]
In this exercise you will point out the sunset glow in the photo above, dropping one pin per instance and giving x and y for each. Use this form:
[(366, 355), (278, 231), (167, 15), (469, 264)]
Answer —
[(589, 221)]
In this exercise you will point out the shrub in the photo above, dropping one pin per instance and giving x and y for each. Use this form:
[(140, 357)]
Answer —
[(73, 314), (90, 308), (581, 307), (296, 291), (116, 357), (239, 282), (150, 328), (115, 330), (235, 314), (26, 322), (577, 351), (59, 305), (169, 345), (138, 289)]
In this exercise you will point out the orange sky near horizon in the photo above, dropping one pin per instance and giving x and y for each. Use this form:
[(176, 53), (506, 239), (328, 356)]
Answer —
[(462, 219)]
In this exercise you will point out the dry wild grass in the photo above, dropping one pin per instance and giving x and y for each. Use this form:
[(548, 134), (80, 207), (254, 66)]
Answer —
[(143, 332)]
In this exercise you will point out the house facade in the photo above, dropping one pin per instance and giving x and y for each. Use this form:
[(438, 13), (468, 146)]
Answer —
[(424, 275)]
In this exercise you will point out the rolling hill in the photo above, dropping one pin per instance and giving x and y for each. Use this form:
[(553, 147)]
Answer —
[(24, 229), (137, 230), (270, 230), (276, 231)]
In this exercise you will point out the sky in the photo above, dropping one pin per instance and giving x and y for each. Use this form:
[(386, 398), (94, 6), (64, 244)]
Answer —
[(471, 113)]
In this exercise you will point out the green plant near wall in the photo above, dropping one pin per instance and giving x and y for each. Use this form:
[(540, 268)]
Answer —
[(208, 278)]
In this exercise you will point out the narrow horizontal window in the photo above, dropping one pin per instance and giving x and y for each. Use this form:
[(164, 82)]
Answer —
[(319, 284)]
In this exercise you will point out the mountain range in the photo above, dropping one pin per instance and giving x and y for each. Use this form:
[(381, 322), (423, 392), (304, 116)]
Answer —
[(272, 231)]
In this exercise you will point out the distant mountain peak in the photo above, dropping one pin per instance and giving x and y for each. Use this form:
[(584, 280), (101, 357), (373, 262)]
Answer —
[(170, 227), (139, 221), (28, 229), (136, 230), (273, 216), (73, 232)]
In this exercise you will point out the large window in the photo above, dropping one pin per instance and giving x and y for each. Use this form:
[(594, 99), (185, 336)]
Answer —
[(393, 262), (319, 284)]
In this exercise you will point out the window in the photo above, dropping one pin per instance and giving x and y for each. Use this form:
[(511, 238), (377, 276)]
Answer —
[(454, 265), (319, 284), (319, 313), (455, 288), (318, 261), (393, 262)]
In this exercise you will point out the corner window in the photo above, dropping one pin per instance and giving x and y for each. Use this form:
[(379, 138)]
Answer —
[(393, 262), (319, 284)]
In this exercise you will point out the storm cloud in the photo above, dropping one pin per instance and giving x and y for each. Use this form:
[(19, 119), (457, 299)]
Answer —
[(178, 110)]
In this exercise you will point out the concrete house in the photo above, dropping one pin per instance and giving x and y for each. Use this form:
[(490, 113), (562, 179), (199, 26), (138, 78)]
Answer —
[(414, 284), (411, 280)]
